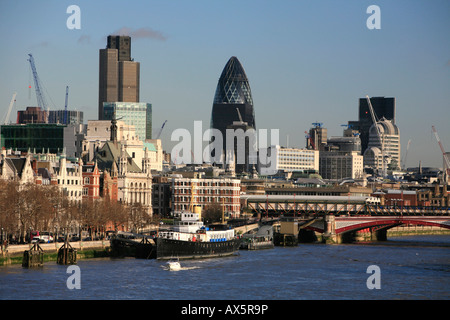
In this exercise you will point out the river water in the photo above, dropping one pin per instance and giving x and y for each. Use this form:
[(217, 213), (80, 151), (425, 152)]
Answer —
[(416, 267)]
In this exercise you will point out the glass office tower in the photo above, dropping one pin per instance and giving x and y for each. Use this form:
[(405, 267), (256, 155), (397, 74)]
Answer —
[(233, 92), (138, 114)]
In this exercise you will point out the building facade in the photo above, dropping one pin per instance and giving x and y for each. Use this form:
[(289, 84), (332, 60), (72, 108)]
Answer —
[(32, 115), (338, 165), (52, 138), (15, 167), (136, 114), (232, 93), (65, 117), (289, 160), (383, 108), (390, 137), (204, 192), (317, 137), (70, 178), (91, 181), (119, 74)]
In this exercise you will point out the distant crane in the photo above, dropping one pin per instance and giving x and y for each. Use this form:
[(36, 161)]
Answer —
[(65, 106), (37, 83), (406, 155), (160, 130), (444, 154), (375, 122), (13, 99)]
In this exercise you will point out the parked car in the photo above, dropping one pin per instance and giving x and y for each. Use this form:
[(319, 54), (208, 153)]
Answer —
[(74, 238), (42, 239)]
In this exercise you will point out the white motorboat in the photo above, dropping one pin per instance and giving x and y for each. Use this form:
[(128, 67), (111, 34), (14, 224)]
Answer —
[(173, 265)]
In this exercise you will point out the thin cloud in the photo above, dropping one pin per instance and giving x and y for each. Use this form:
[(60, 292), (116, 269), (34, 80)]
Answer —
[(141, 33), (84, 39)]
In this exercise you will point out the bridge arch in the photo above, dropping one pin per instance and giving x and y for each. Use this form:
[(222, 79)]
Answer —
[(343, 226)]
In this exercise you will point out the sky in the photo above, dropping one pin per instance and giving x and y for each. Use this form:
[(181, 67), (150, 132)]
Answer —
[(307, 61)]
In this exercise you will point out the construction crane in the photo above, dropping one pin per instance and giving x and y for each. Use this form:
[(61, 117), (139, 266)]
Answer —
[(444, 154), (37, 83), (403, 166), (160, 130), (65, 106), (13, 99), (375, 122)]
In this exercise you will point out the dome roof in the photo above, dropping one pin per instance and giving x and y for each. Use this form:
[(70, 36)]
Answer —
[(386, 127), (372, 152), (233, 86)]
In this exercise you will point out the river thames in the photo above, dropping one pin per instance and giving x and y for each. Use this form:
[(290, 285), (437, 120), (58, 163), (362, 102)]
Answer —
[(413, 267)]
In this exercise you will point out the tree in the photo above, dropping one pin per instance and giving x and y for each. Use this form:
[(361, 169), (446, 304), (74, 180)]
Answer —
[(115, 213), (212, 213)]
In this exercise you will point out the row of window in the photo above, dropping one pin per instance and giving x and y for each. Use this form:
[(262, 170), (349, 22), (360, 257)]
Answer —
[(208, 184), (207, 191), (68, 181), (227, 208), (206, 199)]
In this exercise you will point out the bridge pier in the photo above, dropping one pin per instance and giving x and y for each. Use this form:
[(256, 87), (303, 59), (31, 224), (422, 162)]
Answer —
[(329, 226)]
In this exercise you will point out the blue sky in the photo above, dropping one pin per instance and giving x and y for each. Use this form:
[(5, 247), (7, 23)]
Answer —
[(307, 61)]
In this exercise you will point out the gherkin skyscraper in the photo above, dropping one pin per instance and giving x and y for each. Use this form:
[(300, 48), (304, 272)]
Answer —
[(233, 91)]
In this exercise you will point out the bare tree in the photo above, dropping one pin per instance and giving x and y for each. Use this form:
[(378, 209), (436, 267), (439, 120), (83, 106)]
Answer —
[(212, 213)]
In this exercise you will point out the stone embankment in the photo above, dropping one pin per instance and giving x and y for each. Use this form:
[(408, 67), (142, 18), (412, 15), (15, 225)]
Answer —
[(86, 249)]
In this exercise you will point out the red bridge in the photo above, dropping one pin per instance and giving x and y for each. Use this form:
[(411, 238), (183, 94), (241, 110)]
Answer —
[(339, 228), (338, 218)]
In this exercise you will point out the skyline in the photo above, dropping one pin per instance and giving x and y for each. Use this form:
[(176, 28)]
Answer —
[(306, 61)]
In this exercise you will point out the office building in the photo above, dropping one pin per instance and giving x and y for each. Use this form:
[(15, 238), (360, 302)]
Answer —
[(337, 165), (138, 115), (204, 192), (390, 136), (317, 137), (289, 160), (232, 93), (346, 144), (32, 115), (118, 73), (65, 117), (382, 107), (41, 136)]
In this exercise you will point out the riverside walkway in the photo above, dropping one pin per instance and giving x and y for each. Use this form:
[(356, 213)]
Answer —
[(48, 247)]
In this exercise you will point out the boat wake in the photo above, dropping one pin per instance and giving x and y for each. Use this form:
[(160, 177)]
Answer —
[(180, 269)]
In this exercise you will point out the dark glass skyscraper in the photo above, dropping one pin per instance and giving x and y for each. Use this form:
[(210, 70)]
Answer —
[(233, 91)]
